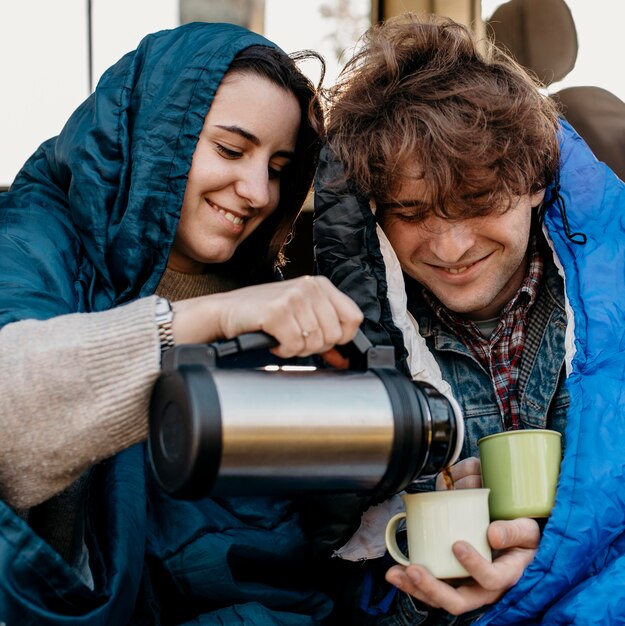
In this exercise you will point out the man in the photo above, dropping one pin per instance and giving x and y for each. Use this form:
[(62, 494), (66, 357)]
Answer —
[(450, 202)]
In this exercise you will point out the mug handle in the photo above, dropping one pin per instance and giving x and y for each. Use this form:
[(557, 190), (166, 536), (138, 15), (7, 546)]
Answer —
[(391, 539)]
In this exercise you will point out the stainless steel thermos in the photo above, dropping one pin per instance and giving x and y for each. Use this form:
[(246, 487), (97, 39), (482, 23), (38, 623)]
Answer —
[(222, 429)]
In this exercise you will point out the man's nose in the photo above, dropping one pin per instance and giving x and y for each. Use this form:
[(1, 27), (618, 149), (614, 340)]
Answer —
[(450, 241)]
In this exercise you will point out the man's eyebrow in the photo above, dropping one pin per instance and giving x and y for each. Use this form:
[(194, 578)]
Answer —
[(405, 204), (237, 130)]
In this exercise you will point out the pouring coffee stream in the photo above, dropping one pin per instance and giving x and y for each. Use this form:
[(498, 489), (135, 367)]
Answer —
[(448, 478)]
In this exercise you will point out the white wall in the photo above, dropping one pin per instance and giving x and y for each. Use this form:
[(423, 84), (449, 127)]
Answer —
[(300, 24), (44, 55), (113, 37), (43, 69), (44, 62)]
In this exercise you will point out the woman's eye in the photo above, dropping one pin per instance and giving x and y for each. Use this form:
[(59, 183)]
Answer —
[(278, 170), (227, 153), (274, 173)]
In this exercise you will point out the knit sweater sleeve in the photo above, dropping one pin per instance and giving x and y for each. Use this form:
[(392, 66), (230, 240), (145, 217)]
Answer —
[(75, 389)]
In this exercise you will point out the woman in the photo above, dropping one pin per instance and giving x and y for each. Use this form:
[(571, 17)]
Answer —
[(181, 176)]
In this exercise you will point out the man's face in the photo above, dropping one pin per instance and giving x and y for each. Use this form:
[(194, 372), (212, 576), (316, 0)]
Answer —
[(473, 266)]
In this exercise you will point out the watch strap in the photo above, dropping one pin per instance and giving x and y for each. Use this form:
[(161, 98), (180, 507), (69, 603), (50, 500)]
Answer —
[(164, 320)]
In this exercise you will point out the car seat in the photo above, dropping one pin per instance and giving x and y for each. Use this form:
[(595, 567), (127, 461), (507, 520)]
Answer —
[(541, 35)]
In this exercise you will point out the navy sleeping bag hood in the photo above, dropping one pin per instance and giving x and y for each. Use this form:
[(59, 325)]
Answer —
[(110, 187)]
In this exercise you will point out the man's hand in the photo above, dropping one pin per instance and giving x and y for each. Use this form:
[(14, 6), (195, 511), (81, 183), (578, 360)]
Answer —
[(515, 543)]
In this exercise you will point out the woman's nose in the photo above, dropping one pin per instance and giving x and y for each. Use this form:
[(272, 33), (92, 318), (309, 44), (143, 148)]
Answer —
[(254, 186)]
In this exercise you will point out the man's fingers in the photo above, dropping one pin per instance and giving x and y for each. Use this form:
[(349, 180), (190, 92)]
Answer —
[(486, 573), (470, 465), (517, 533), (507, 567), (419, 583), (468, 482)]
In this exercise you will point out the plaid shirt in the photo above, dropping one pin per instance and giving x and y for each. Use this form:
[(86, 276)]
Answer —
[(500, 354)]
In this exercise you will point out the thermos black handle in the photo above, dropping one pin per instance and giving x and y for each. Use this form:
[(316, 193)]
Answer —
[(259, 340), (250, 346), (245, 342)]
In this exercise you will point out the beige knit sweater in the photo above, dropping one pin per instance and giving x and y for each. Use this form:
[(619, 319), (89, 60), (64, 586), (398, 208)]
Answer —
[(75, 389)]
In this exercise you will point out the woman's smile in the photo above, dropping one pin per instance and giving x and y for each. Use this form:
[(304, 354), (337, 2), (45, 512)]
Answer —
[(235, 221)]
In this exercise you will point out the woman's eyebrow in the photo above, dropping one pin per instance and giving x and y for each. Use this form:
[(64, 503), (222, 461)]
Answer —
[(237, 130), (242, 132)]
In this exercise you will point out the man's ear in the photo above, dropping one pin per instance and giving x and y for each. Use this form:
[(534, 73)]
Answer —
[(537, 198)]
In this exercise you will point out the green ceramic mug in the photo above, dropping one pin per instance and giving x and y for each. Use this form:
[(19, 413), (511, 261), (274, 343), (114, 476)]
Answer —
[(521, 468)]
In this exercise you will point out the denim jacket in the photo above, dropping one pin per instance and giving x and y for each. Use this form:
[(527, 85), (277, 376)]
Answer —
[(544, 401), (542, 391)]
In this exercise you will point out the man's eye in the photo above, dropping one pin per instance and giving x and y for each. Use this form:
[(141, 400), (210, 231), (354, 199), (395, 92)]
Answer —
[(227, 153), (410, 218)]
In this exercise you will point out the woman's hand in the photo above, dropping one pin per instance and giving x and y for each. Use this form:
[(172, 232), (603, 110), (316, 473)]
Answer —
[(306, 315), (515, 543), (465, 474)]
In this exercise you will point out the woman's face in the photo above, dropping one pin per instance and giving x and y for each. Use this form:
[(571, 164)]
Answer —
[(247, 141)]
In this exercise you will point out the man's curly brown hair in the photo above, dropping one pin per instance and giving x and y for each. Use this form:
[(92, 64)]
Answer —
[(423, 98)]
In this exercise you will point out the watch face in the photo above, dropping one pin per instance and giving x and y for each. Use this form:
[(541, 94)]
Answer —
[(163, 307)]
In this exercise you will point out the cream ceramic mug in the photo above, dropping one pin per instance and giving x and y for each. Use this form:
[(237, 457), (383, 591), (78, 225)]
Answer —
[(435, 520)]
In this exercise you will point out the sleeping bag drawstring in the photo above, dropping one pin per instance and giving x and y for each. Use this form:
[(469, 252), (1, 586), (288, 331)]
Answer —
[(557, 199)]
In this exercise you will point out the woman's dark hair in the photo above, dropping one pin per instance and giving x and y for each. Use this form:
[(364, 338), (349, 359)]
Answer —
[(266, 244), (424, 99)]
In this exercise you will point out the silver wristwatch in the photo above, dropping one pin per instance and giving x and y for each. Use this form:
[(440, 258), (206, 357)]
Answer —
[(164, 319)]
